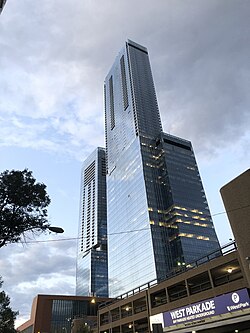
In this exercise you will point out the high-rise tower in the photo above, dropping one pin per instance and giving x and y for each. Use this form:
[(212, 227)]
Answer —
[(92, 262), (158, 217)]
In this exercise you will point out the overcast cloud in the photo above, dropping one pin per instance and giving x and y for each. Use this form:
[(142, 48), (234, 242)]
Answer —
[(31, 269), (54, 56)]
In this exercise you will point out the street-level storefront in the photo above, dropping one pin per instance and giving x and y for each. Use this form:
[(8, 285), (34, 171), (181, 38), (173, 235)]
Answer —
[(222, 314)]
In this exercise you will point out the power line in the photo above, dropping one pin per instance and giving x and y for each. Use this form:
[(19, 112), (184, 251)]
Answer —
[(76, 238), (122, 232), (231, 210)]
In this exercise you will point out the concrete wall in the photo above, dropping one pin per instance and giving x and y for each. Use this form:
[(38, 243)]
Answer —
[(236, 198)]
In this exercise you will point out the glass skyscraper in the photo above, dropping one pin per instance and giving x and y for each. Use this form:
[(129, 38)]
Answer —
[(158, 217), (92, 261)]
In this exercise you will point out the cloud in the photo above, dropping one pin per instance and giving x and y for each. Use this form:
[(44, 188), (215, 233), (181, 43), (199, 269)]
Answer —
[(203, 88), (55, 60), (39, 268)]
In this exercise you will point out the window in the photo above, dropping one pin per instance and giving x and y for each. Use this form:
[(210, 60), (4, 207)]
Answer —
[(124, 83), (111, 103)]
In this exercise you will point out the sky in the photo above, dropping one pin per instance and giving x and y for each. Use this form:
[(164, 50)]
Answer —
[(54, 56)]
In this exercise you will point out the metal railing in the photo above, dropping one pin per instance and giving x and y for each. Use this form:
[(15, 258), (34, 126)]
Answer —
[(222, 251)]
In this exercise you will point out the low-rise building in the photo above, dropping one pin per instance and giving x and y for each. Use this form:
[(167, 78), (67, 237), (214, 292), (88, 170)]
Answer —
[(55, 314)]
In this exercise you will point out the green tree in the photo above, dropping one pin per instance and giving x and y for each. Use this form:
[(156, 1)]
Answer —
[(83, 329), (7, 316), (23, 206)]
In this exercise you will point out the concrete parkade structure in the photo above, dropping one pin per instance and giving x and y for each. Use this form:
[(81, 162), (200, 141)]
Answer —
[(209, 295)]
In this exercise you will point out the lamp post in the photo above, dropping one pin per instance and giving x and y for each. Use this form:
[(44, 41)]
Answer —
[(57, 230)]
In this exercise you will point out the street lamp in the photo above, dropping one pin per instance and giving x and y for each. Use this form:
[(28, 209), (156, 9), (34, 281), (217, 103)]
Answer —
[(57, 230)]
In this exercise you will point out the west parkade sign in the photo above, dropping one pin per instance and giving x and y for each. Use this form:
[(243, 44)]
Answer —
[(230, 302)]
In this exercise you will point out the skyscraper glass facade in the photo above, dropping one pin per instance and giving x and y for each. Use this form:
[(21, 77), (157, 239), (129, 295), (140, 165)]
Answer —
[(191, 233), (92, 261), (158, 216)]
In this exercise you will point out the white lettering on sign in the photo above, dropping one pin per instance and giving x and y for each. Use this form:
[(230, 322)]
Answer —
[(193, 310), (219, 305), (199, 308), (177, 314)]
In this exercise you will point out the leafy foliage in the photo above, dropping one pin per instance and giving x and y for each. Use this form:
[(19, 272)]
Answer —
[(23, 205), (7, 316), (83, 329)]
